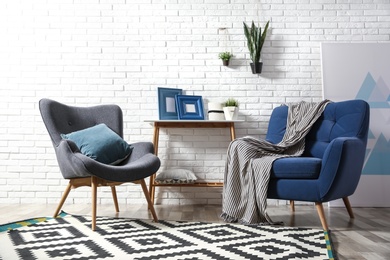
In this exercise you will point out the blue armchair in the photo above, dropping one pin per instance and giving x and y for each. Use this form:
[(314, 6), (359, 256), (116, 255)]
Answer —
[(331, 165)]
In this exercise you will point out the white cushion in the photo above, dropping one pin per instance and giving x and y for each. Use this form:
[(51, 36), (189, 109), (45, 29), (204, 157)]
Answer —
[(176, 176)]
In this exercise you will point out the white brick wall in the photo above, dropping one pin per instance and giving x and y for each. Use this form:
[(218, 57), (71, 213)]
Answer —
[(103, 51)]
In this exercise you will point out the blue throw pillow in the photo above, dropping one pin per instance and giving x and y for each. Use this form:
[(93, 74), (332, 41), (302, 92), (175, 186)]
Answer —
[(101, 144)]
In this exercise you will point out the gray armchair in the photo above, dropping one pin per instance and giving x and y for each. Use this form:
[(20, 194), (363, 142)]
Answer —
[(82, 170)]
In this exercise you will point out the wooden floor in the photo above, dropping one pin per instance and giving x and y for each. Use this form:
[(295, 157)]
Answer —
[(365, 237)]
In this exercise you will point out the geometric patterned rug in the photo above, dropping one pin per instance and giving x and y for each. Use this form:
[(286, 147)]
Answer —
[(71, 237)]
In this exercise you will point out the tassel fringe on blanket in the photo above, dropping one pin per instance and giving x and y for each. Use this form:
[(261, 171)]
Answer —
[(249, 163)]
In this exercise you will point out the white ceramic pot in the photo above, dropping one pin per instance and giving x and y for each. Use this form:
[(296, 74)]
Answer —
[(215, 111), (231, 113)]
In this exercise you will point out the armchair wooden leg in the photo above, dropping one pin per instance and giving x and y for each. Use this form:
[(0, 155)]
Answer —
[(63, 198), (348, 206), (292, 205), (150, 203), (115, 198), (94, 185), (321, 214)]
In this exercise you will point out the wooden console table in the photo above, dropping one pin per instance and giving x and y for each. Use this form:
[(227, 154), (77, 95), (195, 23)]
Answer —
[(157, 124)]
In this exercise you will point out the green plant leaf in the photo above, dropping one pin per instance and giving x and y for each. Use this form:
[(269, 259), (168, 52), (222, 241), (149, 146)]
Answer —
[(255, 40), (231, 102), (225, 55), (248, 36), (264, 35)]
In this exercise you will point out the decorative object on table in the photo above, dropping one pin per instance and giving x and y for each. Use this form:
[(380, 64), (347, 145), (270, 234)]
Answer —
[(167, 103), (190, 107), (225, 57), (120, 238), (215, 111), (230, 109), (175, 176), (255, 40)]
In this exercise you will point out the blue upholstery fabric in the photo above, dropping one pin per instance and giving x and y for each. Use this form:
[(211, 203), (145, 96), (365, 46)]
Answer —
[(331, 165), (277, 125), (296, 168)]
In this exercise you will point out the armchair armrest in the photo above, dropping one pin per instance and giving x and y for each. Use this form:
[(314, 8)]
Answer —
[(74, 164), (140, 149), (72, 146), (68, 163), (341, 168)]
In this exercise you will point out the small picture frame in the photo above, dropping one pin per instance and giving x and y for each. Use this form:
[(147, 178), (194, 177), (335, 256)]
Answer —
[(190, 107), (167, 108)]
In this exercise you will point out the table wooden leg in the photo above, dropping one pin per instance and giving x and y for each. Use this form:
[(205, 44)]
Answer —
[(152, 188), (232, 132), (156, 133)]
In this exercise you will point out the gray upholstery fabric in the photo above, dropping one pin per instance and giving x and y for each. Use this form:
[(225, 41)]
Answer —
[(62, 119)]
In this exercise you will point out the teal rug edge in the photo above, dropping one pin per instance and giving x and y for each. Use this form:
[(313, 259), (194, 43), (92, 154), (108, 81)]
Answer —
[(329, 245), (27, 222)]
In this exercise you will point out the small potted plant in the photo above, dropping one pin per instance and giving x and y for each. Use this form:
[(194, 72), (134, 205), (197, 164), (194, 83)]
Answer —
[(255, 40), (225, 57), (230, 109)]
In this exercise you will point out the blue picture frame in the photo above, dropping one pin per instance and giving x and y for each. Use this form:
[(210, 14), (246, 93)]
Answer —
[(190, 107), (167, 108)]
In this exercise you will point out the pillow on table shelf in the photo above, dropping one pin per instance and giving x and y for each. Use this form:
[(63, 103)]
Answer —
[(176, 176)]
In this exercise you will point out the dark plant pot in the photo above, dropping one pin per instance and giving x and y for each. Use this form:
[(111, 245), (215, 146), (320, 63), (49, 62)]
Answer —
[(256, 67), (225, 62)]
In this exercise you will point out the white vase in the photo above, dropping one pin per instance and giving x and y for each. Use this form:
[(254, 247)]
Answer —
[(215, 111), (231, 113)]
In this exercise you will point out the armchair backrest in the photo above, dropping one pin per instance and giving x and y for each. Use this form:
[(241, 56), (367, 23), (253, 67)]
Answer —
[(340, 119), (63, 119)]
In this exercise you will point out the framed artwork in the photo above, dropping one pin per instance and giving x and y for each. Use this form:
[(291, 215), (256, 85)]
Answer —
[(361, 71), (167, 103), (190, 107)]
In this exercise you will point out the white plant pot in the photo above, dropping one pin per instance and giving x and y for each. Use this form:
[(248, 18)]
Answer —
[(231, 113)]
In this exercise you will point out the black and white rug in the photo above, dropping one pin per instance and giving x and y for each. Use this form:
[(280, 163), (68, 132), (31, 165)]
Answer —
[(70, 237)]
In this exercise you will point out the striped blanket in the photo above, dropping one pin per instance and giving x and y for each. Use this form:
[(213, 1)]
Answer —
[(249, 163)]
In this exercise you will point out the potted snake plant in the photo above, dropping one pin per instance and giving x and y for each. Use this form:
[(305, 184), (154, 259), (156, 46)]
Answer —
[(255, 40)]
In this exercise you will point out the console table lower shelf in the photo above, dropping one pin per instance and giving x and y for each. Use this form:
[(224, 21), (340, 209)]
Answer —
[(157, 124), (194, 184)]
